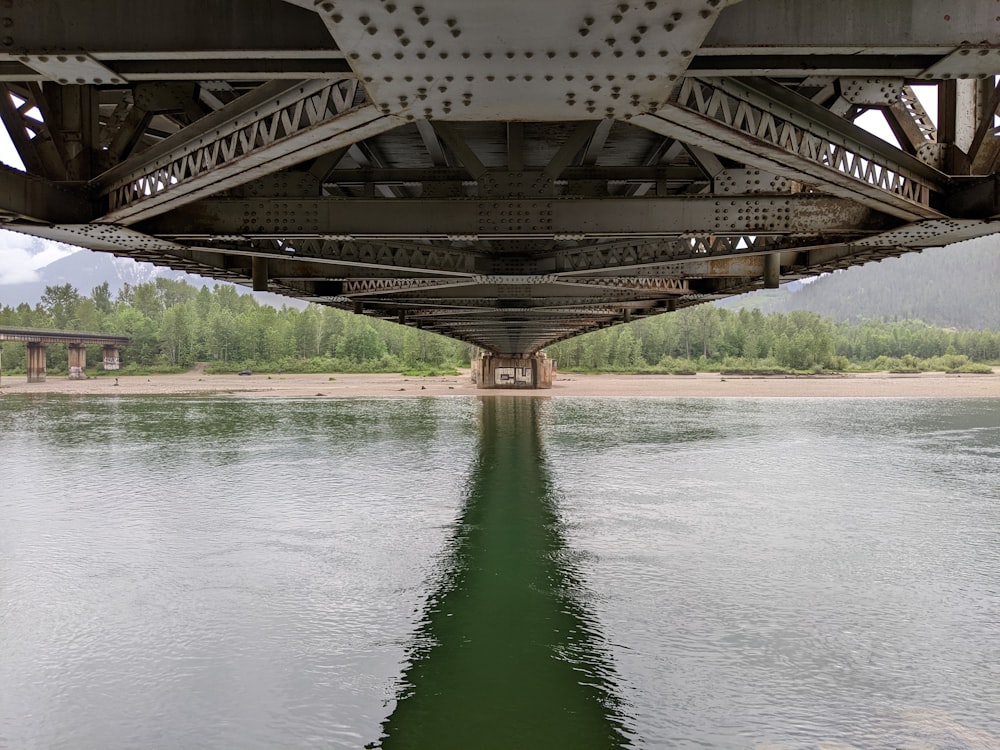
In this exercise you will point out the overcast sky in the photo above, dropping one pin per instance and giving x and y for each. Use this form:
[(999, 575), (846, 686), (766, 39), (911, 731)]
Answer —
[(21, 256)]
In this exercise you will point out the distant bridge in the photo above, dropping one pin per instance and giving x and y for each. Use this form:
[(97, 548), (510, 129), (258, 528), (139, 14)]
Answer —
[(508, 174), (76, 344)]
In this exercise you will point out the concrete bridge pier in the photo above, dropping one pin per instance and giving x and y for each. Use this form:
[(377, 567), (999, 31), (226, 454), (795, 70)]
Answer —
[(496, 371), (77, 361), (110, 356), (76, 342), (36, 362)]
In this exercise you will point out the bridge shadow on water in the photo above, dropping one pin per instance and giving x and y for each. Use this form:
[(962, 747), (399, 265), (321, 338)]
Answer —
[(506, 655)]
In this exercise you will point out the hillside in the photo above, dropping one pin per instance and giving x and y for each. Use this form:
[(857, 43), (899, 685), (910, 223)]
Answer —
[(956, 286), (87, 269)]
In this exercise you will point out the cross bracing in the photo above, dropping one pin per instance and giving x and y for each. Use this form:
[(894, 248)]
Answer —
[(501, 175)]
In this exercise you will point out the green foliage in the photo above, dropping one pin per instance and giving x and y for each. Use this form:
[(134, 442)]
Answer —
[(430, 372), (59, 303), (133, 369), (313, 365), (710, 338), (172, 325), (676, 366), (975, 368)]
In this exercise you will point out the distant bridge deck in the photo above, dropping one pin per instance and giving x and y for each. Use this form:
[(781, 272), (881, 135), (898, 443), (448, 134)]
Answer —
[(39, 336)]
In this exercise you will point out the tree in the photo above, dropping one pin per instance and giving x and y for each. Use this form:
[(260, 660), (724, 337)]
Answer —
[(146, 299), (221, 336), (173, 292), (705, 322), (627, 351), (177, 335), (101, 295), (86, 316), (308, 330), (686, 326), (59, 302), (125, 295), (144, 348), (361, 344)]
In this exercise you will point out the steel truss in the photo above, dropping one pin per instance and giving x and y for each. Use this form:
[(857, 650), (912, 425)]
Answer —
[(504, 182)]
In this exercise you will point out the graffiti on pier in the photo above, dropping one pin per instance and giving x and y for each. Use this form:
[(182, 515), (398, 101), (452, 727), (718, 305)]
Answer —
[(512, 376)]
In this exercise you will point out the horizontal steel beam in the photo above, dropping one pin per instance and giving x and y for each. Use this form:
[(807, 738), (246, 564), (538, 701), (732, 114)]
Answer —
[(124, 29), (849, 27), (504, 304), (262, 67), (441, 260), (24, 196), (554, 294), (794, 63), (663, 285), (636, 257), (555, 313), (382, 288), (559, 219), (610, 174)]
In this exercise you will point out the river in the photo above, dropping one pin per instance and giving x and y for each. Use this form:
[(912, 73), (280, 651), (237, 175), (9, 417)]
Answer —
[(775, 574)]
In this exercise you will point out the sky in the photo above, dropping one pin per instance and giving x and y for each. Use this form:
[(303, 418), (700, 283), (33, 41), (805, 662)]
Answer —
[(21, 256)]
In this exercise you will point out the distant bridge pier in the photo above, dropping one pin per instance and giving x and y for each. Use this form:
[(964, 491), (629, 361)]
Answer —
[(36, 361), (77, 361), (36, 341), (496, 371), (110, 356)]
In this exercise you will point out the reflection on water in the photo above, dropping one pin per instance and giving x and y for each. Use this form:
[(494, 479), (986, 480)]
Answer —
[(735, 574), (507, 655)]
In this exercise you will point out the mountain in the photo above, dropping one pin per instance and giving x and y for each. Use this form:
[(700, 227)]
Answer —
[(956, 286), (87, 269)]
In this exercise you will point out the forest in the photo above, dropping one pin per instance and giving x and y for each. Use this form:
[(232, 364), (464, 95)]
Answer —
[(945, 286), (173, 325), (710, 338)]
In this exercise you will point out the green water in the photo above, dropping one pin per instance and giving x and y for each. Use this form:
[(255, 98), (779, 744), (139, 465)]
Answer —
[(506, 654)]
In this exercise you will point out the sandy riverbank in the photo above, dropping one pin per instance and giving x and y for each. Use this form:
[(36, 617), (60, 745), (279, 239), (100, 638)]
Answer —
[(703, 385)]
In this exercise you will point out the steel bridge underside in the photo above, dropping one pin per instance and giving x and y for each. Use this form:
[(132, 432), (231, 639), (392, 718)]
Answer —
[(507, 174)]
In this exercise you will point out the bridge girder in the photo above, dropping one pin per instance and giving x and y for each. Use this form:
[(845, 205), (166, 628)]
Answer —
[(506, 177)]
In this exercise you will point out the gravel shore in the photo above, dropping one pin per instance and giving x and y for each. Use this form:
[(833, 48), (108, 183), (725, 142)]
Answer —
[(703, 385)]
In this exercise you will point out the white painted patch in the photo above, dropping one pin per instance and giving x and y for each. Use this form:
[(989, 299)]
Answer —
[(512, 376)]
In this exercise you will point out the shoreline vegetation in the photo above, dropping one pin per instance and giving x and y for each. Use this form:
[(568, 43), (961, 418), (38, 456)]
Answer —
[(197, 382), (174, 325)]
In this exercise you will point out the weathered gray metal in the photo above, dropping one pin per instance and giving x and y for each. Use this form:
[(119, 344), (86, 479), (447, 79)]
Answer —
[(509, 174), (41, 336)]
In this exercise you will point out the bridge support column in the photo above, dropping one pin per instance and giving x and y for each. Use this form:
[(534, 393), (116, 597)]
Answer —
[(772, 271), (36, 362), (494, 371), (110, 356), (77, 361)]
